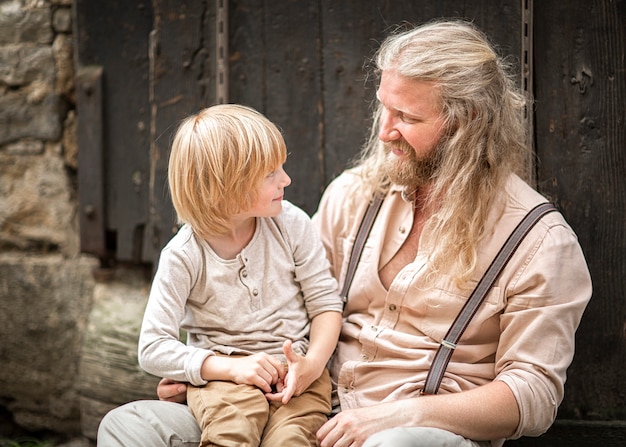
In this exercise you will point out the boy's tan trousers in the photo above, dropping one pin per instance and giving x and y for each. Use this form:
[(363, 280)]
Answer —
[(232, 415)]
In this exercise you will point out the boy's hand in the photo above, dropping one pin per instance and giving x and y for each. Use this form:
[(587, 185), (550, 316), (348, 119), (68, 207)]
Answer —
[(261, 370), (300, 374)]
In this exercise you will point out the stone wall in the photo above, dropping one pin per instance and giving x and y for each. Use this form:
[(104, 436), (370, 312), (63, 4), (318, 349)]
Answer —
[(37, 131), (47, 287)]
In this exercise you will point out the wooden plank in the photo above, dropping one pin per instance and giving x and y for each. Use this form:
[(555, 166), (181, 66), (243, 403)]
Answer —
[(114, 35), (90, 157), (294, 93), (352, 32), (182, 81), (275, 68), (303, 67), (581, 104), (247, 51)]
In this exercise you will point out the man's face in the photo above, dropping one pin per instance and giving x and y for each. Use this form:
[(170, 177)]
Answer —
[(411, 127)]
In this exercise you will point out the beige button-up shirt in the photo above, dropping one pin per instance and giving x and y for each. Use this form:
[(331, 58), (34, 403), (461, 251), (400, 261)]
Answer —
[(523, 334)]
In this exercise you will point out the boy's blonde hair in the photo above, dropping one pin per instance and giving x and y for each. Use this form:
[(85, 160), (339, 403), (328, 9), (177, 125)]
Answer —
[(218, 161)]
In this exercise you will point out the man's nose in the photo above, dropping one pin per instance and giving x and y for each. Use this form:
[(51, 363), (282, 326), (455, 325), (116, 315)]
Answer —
[(387, 130)]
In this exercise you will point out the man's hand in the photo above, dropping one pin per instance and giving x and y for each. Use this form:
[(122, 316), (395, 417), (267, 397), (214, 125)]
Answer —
[(348, 428), (353, 427), (172, 391)]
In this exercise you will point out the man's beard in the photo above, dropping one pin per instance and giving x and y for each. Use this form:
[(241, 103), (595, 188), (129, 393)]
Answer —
[(410, 171)]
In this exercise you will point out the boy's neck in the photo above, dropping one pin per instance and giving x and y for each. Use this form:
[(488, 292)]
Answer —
[(230, 244)]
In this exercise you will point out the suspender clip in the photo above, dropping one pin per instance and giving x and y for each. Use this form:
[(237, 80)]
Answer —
[(448, 344)]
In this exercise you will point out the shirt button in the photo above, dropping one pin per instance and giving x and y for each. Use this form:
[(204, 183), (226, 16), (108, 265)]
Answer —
[(374, 328), (244, 273), (392, 307), (255, 292), (402, 230)]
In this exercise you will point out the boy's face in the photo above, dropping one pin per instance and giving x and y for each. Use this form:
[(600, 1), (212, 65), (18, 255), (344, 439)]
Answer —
[(271, 193)]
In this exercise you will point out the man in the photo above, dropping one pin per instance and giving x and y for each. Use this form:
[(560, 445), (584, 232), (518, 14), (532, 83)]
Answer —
[(448, 136)]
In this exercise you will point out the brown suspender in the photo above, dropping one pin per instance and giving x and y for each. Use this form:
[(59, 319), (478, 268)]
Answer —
[(449, 342), (359, 243)]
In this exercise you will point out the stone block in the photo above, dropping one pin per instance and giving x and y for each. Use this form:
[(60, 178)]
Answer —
[(23, 65), (24, 25), (32, 113), (37, 206), (44, 306), (62, 20)]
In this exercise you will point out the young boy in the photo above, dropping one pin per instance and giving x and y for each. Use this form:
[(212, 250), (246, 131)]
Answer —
[(247, 278)]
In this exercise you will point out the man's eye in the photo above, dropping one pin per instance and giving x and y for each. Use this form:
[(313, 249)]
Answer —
[(408, 119)]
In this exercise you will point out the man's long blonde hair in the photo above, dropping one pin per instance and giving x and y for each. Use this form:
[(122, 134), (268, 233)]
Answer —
[(486, 139)]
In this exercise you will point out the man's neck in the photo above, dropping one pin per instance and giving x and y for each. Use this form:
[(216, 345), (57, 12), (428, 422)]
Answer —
[(408, 250)]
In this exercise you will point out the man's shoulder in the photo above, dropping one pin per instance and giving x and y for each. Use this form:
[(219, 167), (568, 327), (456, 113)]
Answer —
[(522, 197), (348, 179)]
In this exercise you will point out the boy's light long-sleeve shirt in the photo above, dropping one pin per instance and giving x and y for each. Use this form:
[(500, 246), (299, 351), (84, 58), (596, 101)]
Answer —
[(253, 303)]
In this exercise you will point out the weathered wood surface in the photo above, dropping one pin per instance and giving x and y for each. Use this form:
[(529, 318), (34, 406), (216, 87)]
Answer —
[(109, 371), (300, 63), (275, 68), (114, 34), (580, 82), (303, 65), (90, 158), (181, 81)]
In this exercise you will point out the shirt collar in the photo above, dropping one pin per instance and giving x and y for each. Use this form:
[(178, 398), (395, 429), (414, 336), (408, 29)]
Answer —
[(406, 197)]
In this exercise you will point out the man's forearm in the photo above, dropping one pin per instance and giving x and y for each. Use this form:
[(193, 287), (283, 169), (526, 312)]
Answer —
[(487, 412)]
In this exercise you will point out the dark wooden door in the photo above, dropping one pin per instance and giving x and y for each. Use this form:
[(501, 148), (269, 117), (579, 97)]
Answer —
[(302, 63), (580, 86), (299, 62)]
